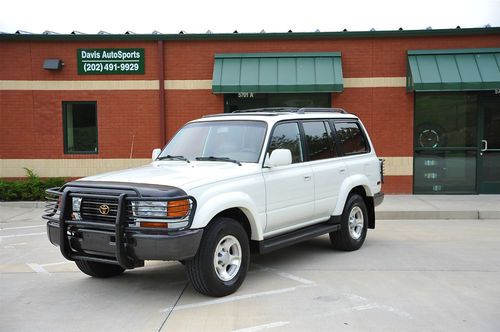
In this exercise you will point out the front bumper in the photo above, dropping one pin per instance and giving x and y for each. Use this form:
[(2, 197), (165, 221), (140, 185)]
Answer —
[(138, 246)]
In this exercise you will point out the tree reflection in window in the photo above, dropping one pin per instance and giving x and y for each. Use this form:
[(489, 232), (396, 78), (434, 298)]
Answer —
[(350, 136), (286, 136), (319, 140)]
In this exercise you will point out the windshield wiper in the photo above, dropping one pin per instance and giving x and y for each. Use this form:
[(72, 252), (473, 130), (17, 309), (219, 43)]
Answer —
[(212, 158), (174, 157)]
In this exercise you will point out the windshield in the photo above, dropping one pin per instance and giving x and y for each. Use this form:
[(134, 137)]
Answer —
[(236, 140)]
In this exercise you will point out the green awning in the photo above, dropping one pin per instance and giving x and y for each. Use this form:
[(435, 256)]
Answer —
[(453, 70), (277, 72)]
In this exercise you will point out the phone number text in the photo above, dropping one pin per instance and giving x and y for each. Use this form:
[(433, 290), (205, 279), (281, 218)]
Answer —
[(110, 67)]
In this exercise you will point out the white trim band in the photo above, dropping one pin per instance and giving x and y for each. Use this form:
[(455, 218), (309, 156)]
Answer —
[(14, 168), (9, 85), (80, 85), (375, 82)]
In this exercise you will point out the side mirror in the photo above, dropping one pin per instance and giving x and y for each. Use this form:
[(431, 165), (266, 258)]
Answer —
[(279, 157), (155, 154)]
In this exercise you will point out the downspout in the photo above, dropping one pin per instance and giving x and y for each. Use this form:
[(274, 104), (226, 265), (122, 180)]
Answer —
[(161, 92)]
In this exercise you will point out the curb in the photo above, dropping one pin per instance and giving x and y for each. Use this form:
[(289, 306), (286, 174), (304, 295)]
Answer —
[(439, 215)]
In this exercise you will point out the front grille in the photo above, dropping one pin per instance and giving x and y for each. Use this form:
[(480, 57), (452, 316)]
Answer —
[(93, 208)]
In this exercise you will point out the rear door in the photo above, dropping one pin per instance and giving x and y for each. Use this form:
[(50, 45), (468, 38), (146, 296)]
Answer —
[(356, 150), (328, 171)]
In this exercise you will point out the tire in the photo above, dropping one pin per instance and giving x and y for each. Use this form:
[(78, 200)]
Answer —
[(99, 270), (216, 270), (354, 222)]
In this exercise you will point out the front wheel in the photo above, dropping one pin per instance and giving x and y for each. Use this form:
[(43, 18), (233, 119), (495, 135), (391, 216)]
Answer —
[(354, 222), (222, 261)]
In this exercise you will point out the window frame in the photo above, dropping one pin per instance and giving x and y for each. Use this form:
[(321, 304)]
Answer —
[(65, 127)]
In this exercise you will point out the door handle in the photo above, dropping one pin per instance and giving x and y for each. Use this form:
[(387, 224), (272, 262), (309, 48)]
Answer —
[(485, 145), (307, 178), (342, 170)]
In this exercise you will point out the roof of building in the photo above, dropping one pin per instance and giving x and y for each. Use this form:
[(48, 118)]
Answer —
[(209, 35)]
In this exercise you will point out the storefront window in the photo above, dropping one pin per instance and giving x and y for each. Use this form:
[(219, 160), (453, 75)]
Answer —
[(445, 172), (248, 100), (445, 142), (80, 127), (445, 120)]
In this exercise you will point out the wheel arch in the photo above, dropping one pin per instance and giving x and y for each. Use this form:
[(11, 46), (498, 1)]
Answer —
[(364, 191), (235, 205), (240, 216)]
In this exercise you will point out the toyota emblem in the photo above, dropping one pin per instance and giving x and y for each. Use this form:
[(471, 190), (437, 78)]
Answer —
[(104, 209)]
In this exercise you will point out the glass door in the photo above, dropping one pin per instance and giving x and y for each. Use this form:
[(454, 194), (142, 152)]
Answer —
[(489, 154)]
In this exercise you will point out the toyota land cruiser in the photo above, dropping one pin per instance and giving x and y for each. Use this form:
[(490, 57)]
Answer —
[(225, 185)]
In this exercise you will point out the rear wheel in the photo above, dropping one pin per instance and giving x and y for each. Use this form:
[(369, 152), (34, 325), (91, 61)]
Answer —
[(99, 270), (222, 261), (354, 222)]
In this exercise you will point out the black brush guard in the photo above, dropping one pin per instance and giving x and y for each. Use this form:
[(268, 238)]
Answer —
[(182, 242)]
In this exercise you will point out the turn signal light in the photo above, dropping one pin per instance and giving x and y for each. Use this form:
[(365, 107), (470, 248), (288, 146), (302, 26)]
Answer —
[(178, 209), (154, 224)]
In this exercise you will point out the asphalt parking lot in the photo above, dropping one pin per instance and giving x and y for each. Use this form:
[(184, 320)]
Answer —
[(411, 275)]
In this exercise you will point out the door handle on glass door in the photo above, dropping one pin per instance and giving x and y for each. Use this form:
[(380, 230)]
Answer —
[(485, 145)]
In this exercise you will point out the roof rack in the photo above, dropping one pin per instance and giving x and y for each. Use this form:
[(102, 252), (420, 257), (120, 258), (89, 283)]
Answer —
[(321, 110), (272, 111), (293, 110), (268, 109)]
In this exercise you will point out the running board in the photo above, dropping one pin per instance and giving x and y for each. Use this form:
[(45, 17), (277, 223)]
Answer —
[(296, 236)]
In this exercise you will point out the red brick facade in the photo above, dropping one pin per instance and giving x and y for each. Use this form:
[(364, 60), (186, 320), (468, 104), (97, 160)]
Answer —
[(31, 120)]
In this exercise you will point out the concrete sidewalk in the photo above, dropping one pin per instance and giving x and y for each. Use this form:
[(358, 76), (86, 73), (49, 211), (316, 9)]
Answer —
[(408, 207), (439, 207)]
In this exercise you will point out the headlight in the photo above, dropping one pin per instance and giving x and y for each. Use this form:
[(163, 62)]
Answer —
[(171, 209), (149, 209)]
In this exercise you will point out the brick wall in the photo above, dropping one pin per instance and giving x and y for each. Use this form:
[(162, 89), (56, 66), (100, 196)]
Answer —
[(31, 121), (32, 128)]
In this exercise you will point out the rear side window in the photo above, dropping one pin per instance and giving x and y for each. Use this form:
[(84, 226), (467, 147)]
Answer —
[(351, 138), (319, 140), (287, 136)]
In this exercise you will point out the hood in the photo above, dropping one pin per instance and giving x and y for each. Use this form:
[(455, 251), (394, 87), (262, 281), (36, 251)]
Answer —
[(178, 173)]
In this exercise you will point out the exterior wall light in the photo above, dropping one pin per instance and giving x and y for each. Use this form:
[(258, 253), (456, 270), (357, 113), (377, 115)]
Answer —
[(53, 64)]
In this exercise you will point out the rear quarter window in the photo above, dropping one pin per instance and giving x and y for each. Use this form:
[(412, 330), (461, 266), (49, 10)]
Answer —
[(351, 137)]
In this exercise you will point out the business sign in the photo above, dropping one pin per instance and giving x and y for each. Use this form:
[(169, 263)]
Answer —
[(92, 61)]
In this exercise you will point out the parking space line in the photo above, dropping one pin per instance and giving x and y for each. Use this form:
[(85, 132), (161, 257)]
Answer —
[(58, 263), (21, 227), (19, 235), (234, 298), (37, 268), (285, 275), (262, 327)]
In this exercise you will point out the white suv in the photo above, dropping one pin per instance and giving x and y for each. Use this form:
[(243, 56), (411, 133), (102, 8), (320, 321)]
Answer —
[(225, 185)]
